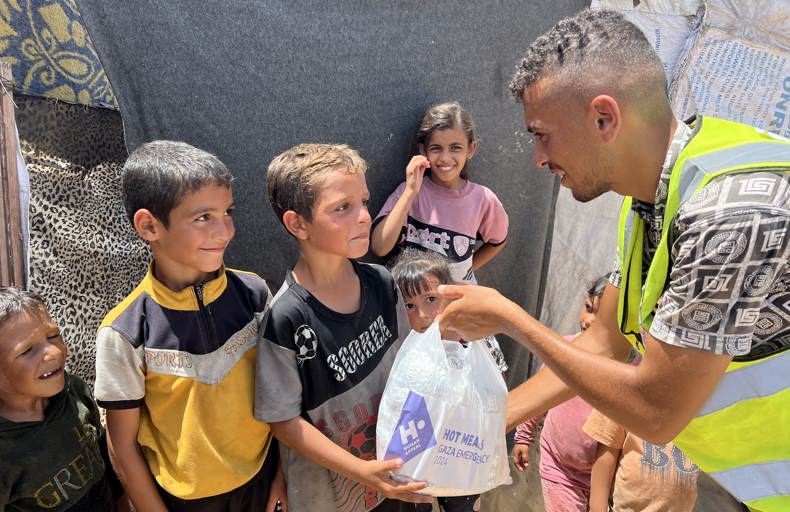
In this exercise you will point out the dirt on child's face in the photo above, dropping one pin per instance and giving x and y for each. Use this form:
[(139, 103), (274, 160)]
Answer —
[(422, 309), (340, 222), (32, 356)]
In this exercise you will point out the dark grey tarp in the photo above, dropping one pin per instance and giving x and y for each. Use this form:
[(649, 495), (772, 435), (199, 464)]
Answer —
[(246, 80)]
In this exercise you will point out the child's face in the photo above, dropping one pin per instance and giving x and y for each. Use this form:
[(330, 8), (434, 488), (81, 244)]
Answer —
[(448, 151), (341, 221), (588, 312), (32, 356), (200, 229), (423, 308)]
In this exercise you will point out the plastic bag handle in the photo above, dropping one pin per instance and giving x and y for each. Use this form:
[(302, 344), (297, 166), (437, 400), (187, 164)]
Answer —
[(434, 335)]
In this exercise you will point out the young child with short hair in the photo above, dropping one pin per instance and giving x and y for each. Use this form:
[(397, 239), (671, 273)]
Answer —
[(631, 473), (446, 213), (51, 439), (175, 361), (331, 338), (418, 273)]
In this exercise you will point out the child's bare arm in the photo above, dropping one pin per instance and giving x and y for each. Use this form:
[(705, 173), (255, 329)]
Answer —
[(521, 456), (385, 234), (127, 458), (525, 436), (602, 477), (486, 253), (303, 437)]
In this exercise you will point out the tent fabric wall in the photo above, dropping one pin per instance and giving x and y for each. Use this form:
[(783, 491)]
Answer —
[(51, 54), (584, 246), (246, 80), (84, 255)]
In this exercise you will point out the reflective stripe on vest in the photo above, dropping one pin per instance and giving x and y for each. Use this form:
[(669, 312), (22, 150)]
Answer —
[(741, 436), (749, 488)]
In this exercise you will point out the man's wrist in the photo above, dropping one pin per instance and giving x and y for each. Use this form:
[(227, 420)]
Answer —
[(510, 313)]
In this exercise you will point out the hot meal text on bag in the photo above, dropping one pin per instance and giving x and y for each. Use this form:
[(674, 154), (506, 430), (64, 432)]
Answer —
[(443, 413)]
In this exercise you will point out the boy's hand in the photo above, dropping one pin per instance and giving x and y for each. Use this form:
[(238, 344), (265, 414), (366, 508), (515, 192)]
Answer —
[(521, 456), (123, 504), (278, 501), (376, 474), (415, 171)]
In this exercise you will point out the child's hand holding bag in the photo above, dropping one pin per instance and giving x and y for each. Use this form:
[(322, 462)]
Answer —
[(443, 413)]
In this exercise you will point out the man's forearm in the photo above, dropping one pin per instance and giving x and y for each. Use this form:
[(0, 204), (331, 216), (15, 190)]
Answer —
[(655, 400), (546, 389), (535, 397)]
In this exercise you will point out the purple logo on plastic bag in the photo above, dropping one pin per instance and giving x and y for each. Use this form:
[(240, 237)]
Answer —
[(414, 432)]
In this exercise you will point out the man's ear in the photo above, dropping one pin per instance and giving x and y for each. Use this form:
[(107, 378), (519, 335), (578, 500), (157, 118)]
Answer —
[(606, 117), (295, 224), (147, 225)]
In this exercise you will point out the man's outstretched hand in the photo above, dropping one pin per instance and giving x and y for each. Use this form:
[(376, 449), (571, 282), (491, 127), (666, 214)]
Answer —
[(476, 311)]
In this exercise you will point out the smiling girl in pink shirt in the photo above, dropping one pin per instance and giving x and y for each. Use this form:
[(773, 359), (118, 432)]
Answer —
[(446, 213)]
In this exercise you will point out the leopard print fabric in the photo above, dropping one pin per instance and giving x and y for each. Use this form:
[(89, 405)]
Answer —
[(84, 255)]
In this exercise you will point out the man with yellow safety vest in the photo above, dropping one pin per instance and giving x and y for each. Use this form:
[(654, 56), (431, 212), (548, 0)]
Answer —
[(703, 284)]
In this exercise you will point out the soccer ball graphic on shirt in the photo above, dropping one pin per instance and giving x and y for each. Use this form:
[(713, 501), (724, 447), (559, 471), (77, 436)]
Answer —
[(362, 440), (361, 443), (306, 342)]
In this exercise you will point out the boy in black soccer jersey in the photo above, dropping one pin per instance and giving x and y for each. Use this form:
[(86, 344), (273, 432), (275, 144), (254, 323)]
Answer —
[(333, 332)]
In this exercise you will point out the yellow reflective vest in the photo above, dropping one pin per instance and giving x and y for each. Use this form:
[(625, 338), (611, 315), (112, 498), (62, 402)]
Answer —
[(741, 436)]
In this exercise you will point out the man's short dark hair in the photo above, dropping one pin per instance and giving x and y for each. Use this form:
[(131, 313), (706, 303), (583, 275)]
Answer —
[(593, 48), (157, 176), (14, 301)]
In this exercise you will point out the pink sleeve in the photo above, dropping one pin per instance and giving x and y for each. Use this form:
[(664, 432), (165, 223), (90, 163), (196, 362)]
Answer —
[(391, 200), (494, 224), (527, 431)]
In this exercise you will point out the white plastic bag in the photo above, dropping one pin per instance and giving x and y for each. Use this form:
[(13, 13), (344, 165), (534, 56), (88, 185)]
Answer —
[(443, 413)]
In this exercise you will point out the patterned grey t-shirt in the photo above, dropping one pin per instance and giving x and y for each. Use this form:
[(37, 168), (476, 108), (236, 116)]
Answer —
[(729, 287)]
